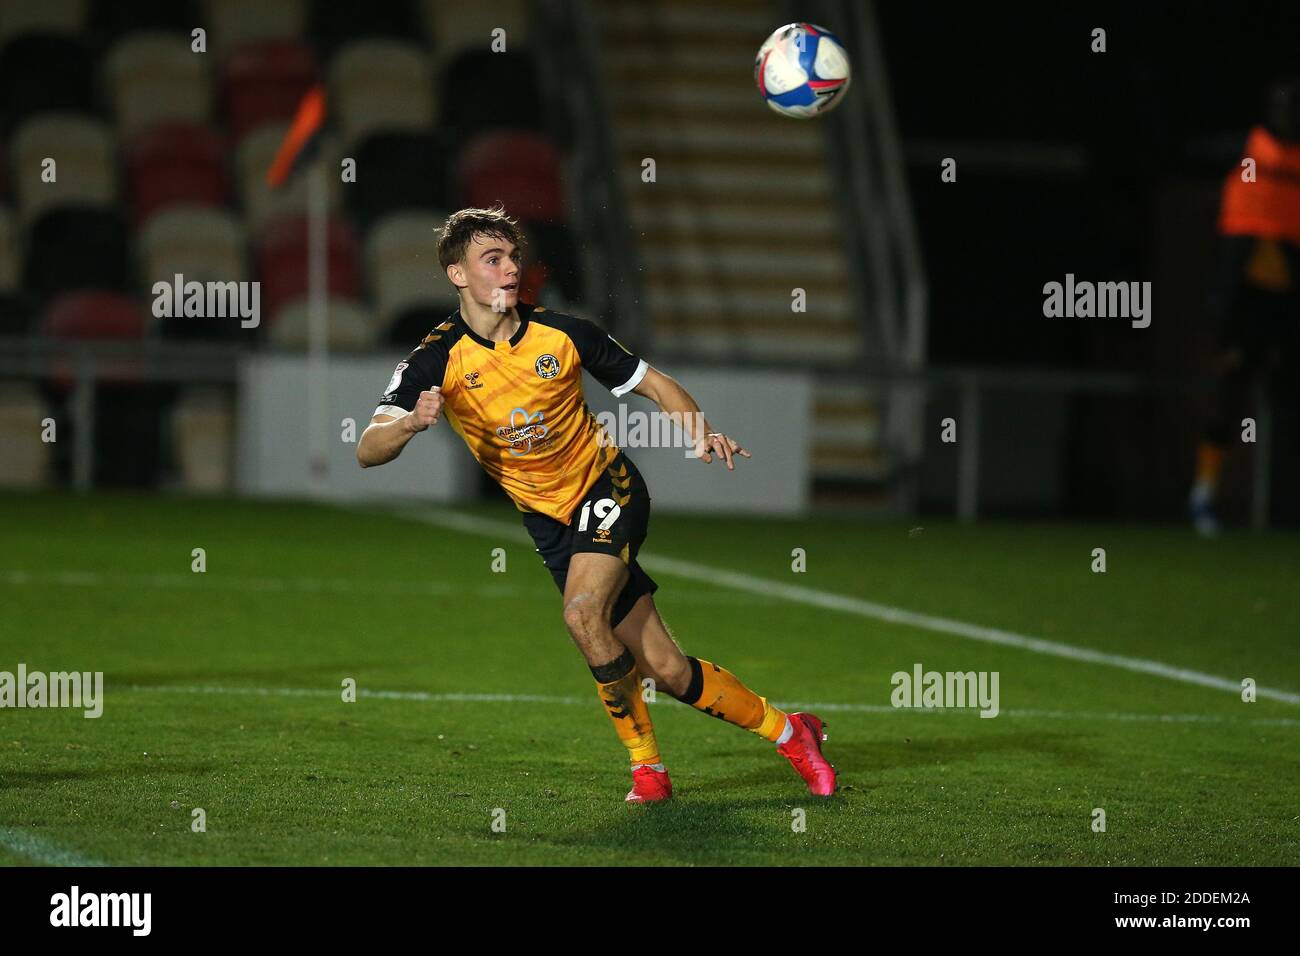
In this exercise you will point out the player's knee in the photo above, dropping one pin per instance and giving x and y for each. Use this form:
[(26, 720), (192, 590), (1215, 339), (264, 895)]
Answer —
[(582, 616)]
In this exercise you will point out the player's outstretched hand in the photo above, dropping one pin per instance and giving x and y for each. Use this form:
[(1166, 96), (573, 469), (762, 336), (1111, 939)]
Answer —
[(427, 409), (716, 443)]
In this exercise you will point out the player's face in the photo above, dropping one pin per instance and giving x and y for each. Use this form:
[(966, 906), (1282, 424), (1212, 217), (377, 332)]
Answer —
[(491, 272)]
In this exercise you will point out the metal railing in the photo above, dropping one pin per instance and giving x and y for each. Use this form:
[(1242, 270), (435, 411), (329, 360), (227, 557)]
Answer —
[(87, 363)]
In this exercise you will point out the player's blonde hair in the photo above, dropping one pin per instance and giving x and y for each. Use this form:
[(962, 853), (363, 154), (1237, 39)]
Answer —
[(463, 225)]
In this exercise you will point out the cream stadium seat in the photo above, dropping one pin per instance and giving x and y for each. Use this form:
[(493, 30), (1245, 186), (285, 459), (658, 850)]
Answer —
[(379, 85), (203, 435), (26, 459), (232, 22), (351, 328), (85, 170), (42, 16), (154, 78), (402, 262)]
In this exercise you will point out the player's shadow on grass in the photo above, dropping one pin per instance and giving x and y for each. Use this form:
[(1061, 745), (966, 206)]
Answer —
[(20, 779), (859, 762)]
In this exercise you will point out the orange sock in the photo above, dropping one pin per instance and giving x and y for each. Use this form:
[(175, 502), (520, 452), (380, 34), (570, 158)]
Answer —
[(619, 686), (719, 693), (1209, 462)]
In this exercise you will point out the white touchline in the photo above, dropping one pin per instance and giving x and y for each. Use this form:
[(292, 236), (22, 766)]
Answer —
[(41, 850), (276, 585), (471, 524), (451, 697)]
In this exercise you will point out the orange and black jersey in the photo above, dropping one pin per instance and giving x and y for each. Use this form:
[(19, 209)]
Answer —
[(519, 404)]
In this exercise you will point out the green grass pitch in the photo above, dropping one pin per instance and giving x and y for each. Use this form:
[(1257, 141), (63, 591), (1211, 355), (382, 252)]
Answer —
[(223, 692)]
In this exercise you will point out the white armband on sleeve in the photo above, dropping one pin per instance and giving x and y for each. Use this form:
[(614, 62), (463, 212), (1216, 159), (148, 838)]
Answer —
[(393, 410), (632, 382)]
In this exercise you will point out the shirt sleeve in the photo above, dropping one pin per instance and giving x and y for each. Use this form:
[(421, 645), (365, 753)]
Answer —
[(420, 371), (606, 359)]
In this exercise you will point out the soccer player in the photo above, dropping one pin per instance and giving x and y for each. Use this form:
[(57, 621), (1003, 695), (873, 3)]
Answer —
[(508, 376), (1256, 300)]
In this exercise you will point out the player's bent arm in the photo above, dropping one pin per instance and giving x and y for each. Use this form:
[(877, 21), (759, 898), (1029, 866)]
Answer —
[(668, 394), (386, 435), (383, 440)]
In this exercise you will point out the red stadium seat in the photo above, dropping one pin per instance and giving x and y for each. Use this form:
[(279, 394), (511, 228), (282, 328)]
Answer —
[(519, 170), (264, 82), (174, 164), (93, 315), (283, 268)]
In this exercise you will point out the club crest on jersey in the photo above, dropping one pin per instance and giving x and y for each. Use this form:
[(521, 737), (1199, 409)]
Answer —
[(472, 380), (548, 366)]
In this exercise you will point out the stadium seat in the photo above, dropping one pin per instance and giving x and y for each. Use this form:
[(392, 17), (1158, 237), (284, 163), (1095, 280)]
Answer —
[(85, 163), (9, 251), (264, 82), (520, 170), (335, 24), (175, 164), (262, 202), (17, 17), (455, 27), (409, 326), (283, 267), (402, 265), (351, 328), (378, 85), (482, 90), (26, 459), (18, 313), (234, 22), (552, 245), (203, 438), (154, 78), (398, 171), (200, 243), (113, 20), (96, 314), (203, 245), (76, 247), (43, 73)]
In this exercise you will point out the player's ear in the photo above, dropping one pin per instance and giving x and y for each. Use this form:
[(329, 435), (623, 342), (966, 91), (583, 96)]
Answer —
[(456, 273)]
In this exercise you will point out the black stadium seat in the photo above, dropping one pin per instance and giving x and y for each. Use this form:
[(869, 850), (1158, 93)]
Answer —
[(114, 18), (44, 73), (333, 24), (553, 244), (398, 171), (415, 323), (77, 247), (485, 90)]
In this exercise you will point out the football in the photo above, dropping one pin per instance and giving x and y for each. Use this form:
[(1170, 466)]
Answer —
[(802, 70)]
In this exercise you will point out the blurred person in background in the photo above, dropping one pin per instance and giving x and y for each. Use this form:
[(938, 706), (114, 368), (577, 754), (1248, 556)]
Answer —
[(1256, 295)]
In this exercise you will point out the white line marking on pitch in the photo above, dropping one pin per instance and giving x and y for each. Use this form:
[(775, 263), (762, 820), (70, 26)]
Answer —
[(278, 585), (471, 524), (432, 697), (41, 850)]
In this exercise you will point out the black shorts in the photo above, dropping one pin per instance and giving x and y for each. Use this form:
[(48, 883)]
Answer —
[(612, 518)]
